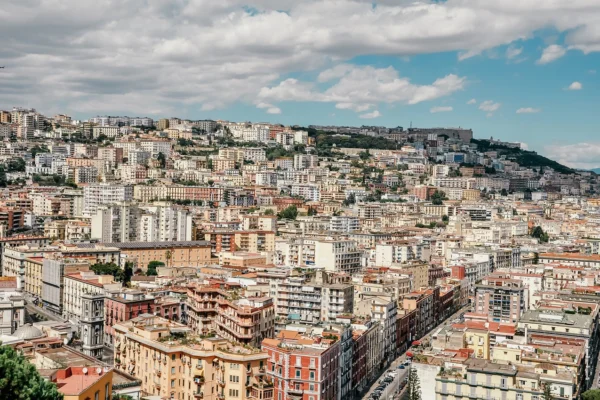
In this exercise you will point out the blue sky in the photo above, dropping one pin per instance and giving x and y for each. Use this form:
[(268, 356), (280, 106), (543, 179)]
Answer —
[(343, 62)]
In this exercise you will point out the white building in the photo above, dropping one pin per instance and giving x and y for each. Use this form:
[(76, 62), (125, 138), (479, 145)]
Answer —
[(100, 194), (337, 255)]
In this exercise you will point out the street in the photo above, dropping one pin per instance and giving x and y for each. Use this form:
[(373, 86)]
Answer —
[(402, 358)]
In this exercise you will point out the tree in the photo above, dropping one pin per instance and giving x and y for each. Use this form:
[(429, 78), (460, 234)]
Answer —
[(547, 391), (108, 269), (539, 233), (269, 212), (19, 380), (536, 258), (438, 197), (152, 265), (503, 193), (592, 394), (162, 159), (127, 273), (445, 219), (351, 199), (414, 385), (290, 212)]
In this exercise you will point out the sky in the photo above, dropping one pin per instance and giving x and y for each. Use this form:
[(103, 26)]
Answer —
[(516, 70)]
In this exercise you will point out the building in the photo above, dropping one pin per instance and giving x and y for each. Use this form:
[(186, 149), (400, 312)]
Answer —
[(81, 284), (84, 383), (173, 362), (54, 269), (475, 378), (121, 306), (101, 194), (337, 255), (172, 254), (501, 298), (303, 367)]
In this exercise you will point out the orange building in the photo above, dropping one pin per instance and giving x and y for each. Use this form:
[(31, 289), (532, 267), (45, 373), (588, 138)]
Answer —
[(84, 383)]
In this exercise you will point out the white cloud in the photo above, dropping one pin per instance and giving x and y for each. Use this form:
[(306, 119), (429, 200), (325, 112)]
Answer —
[(271, 109), (360, 88), (575, 86), (103, 56), (513, 52), (576, 155), (489, 106), (528, 110), (371, 115), (552, 53), (434, 110), (472, 101)]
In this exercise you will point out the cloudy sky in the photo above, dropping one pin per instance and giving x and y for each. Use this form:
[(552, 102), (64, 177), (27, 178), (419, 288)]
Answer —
[(519, 70)]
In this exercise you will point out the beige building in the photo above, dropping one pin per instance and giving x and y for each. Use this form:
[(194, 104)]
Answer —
[(246, 320), (33, 276), (80, 283), (482, 379), (173, 362), (255, 241)]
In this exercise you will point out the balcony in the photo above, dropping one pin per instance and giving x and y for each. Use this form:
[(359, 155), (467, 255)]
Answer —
[(221, 381), (199, 395)]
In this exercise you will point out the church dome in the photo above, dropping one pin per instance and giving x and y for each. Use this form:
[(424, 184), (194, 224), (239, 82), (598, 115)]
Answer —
[(28, 332)]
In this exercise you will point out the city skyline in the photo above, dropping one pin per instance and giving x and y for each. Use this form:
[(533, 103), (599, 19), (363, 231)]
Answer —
[(518, 71)]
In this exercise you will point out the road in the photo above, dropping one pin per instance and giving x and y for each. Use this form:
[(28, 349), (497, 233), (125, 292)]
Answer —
[(33, 309), (402, 358)]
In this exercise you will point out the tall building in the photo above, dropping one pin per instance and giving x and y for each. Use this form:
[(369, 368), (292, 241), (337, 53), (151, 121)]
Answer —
[(116, 223), (99, 194), (501, 298), (92, 324)]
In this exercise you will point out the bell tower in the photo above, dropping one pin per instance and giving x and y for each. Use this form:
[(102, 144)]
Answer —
[(92, 324)]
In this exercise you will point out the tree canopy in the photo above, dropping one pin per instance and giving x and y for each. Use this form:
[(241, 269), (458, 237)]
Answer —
[(414, 385), (19, 380), (592, 394), (438, 197), (152, 265), (539, 233), (290, 212)]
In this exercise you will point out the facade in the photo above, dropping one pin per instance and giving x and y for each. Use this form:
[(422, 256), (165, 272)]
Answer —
[(301, 368), (171, 361)]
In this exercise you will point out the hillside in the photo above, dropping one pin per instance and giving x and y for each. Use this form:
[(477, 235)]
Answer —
[(524, 158)]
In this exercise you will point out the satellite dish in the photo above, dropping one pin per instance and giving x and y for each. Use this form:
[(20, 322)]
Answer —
[(66, 341), (85, 371), (99, 371)]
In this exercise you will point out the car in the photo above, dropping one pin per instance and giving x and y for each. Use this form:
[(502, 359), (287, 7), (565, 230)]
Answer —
[(401, 367)]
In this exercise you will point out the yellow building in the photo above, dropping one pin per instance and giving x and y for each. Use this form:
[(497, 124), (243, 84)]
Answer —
[(172, 362), (84, 383), (33, 276), (255, 241), (482, 379), (478, 340)]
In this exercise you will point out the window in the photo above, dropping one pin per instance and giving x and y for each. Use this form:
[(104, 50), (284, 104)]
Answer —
[(97, 395), (172, 370), (172, 383), (312, 375), (519, 396), (234, 378), (234, 393), (106, 392), (297, 373), (234, 366)]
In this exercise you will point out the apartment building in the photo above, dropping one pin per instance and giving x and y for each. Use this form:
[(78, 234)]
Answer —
[(172, 254), (337, 255), (400, 252), (312, 300), (14, 261), (83, 283), (123, 305), (116, 223), (97, 195), (501, 298), (55, 268), (171, 361), (344, 224), (475, 378), (303, 367), (240, 319), (426, 305)]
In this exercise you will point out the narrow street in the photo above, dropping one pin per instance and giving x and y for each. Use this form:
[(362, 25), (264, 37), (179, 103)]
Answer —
[(402, 358)]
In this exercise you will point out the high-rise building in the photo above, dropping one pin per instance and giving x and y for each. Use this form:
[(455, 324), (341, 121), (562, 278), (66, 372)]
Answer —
[(100, 194)]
